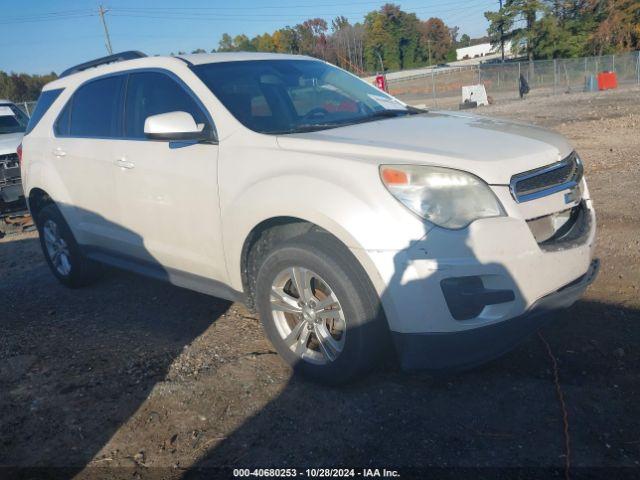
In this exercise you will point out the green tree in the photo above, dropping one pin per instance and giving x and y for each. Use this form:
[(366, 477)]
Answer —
[(567, 28), (312, 37), (435, 39), (516, 22), (242, 43), (616, 25), (264, 43), (226, 43), (21, 87), (286, 40), (393, 37)]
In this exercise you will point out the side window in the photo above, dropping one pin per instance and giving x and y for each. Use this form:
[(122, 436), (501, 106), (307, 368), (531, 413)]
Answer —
[(95, 110), (45, 100), (152, 93), (61, 127)]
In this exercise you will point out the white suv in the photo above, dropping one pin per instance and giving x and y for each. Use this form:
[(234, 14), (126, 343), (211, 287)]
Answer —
[(348, 219)]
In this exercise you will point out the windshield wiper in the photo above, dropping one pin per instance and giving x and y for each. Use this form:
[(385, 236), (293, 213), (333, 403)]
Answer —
[(308, 127), (377, 115), (388, 113)]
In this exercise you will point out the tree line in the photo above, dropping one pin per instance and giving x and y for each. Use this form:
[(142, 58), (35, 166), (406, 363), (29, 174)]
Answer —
[(22, 87), (543, 29), (388, 38)]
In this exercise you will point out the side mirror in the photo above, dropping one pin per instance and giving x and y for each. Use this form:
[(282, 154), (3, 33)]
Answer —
[(176, 126)]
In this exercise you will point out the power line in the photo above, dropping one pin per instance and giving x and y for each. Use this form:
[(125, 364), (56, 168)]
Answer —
[(47, 14), (188, 12), (212, 13), (283, 17), (263, 7), (44, 19)]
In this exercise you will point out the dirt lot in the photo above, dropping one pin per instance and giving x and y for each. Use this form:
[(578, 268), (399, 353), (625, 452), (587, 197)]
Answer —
[(134, 373)]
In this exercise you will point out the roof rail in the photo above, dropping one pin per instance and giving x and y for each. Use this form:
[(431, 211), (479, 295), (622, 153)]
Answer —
[(116, 57)]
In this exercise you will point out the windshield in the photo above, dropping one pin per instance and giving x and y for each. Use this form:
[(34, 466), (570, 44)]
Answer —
[(12, 120), (289, 96)]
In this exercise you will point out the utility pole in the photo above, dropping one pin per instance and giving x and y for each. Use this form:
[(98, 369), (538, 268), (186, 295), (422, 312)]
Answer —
[(501, 33), (102, 11)]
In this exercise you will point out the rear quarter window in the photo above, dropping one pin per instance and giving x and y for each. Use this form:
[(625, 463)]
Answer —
[(45, 101), (61, 126)]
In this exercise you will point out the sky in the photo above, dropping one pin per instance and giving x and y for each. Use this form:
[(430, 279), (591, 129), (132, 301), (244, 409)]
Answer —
[(40, 36)]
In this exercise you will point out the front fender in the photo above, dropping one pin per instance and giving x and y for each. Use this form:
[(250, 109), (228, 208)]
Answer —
[(354, 216)]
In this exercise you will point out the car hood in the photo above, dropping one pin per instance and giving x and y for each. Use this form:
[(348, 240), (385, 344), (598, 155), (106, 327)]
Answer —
[(9, 142), (492, 149)]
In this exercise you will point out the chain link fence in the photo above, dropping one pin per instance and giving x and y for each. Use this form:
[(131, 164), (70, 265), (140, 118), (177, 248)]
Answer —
[(26, 107), (442, 87)]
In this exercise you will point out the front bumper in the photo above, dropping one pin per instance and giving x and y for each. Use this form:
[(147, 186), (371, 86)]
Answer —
[(468, 348), (11, 192), (501, 252)]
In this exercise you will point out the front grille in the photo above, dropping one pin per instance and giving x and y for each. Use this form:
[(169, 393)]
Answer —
[(9, 169), (547, 180), (9, 159)]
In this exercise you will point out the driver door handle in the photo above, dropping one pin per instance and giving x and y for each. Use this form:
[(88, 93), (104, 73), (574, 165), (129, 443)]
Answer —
[(124, 163), (58, 152)]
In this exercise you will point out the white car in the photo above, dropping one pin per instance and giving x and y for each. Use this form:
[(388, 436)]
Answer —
[(348, 219), (13, 123)]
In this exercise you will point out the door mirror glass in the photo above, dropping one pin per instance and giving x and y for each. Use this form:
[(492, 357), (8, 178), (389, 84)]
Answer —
[(175, 126)]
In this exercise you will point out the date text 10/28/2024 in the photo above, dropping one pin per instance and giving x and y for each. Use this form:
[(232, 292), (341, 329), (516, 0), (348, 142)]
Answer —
[(315, 473)]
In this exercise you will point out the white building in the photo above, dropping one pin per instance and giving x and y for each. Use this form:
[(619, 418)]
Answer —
[(481, 50)]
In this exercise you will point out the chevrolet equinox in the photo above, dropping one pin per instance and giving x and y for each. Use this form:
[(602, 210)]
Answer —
[(352, 222)]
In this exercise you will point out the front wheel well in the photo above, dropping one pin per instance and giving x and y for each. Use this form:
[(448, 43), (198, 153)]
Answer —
[(261, 240)]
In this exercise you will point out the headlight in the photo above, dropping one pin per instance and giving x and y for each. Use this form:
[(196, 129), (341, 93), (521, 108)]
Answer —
[(448, 198)]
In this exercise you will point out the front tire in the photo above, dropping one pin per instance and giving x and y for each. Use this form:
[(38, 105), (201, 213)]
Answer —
[(319, 309), (61, 251)]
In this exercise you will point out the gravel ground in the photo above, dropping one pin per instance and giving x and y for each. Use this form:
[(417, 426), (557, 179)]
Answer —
[(135, 373)]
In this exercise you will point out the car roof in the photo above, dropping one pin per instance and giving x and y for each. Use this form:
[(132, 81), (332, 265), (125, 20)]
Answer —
[(3, 101), (160, 61), (202, 58)]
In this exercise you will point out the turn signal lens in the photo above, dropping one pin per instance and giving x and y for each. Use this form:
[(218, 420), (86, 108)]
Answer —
[(391, 176), (19, 152)]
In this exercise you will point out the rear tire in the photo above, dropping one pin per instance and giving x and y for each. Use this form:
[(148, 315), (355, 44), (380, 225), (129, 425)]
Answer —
[(61, 251), (335, 330)]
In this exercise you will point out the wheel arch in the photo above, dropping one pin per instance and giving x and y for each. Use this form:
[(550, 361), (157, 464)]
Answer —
[(37, 200), (261, 238)]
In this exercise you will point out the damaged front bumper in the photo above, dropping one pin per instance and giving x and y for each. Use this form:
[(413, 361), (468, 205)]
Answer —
[(468, 348)]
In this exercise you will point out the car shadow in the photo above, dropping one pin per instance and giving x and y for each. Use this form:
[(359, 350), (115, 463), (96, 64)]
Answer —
[(501, 419), (76, 364), (77, 357)]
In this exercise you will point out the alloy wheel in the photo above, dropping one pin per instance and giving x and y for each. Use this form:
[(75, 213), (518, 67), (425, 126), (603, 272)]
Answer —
[(57, 248), (308, 315)]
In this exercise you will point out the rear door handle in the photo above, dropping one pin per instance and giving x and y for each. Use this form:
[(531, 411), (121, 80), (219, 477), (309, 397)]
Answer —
[(58, 152), (124, 163)]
